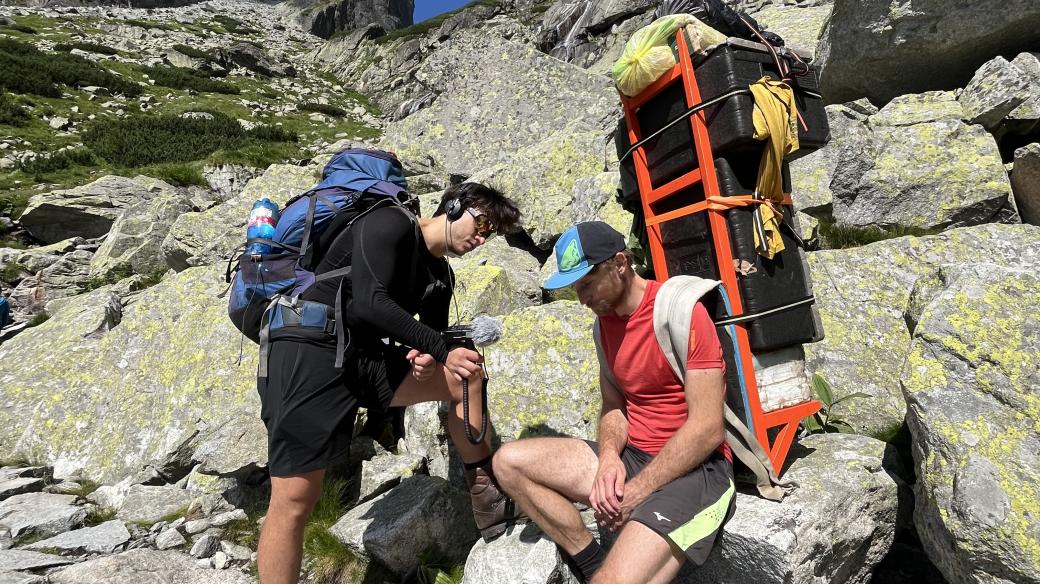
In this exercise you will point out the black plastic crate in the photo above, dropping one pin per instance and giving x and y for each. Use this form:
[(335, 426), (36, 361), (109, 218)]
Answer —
[(764, 284), (736, 65)]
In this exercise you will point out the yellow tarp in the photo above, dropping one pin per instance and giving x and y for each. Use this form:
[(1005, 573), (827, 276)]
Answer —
[(776, 120)]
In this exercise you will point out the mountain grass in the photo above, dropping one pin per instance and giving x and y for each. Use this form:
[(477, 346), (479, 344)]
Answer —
[(11, 112), (836, 235), (322, 108)]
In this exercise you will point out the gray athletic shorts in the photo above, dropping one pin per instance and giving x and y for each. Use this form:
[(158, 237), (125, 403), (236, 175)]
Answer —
[(690, 511)]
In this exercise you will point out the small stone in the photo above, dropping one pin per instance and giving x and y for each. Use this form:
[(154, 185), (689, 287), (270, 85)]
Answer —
[(205, 547), (206, 563), (168, 539), (224, 518), (196, 526), (236, 552), (220, 560)]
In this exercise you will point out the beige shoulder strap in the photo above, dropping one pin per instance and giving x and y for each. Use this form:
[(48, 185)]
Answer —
[(673, 311)]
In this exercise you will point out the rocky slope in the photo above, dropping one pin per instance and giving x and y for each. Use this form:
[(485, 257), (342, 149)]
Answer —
[(129, 423)]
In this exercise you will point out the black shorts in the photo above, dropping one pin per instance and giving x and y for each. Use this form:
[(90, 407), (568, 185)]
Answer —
[(309, 407), (690, 511)]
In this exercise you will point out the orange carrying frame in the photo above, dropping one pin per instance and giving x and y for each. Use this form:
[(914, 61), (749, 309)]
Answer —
[(715, 205)]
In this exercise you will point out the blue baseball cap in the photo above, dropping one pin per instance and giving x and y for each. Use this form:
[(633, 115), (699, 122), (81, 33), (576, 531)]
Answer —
[(580, 248)]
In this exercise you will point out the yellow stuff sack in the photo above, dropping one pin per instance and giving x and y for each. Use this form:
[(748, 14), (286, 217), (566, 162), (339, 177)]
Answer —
[(647, 55)]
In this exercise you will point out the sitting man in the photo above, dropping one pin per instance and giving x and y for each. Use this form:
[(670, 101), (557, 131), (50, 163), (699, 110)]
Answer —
[(661, 471)]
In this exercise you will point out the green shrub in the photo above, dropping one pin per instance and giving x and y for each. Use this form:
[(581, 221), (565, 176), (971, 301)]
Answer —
[(24, 69), (184, 78), (178, 175), (99, 515), (11, 113), (330, 561), (144, 140), (59, 160), (11, 273), (271, 134), (88, 47), (21, 28), (234, 26), (194, 53), (149, 24), (117, 273), (323, 108), (12, 204), (38, 320)]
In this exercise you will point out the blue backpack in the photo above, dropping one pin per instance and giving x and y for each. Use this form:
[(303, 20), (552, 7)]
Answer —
[(265, 290)]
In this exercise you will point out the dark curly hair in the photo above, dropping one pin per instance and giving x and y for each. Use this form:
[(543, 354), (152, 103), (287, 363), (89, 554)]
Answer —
[(499, 208)]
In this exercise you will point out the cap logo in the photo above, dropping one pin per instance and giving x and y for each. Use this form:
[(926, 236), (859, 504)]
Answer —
[(571, 257)]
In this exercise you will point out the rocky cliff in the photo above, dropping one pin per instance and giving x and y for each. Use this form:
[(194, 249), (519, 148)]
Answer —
[(129, 433)]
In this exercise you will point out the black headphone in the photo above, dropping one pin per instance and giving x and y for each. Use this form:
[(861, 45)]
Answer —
[(453, 208)]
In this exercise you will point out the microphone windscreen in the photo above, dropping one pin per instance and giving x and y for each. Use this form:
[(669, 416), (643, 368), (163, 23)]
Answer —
[(485, 330)]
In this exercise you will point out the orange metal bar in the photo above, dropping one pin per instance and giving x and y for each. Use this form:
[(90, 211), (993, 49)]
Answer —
[(674, 186)]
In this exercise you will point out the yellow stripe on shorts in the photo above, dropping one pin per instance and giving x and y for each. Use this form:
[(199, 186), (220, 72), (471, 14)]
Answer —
[(704, 523)]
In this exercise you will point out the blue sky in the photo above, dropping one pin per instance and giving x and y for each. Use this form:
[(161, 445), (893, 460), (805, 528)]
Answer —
[(426, 8)]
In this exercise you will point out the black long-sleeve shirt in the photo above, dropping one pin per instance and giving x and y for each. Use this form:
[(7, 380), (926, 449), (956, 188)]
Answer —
[(393, 278)]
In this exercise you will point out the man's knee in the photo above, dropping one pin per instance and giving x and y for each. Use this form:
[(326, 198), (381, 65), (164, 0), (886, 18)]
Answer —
[(294, 498), (508, 462)]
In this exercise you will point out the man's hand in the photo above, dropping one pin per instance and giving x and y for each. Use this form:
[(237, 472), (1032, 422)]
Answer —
[(423, 365), (463, 362), (634, 495), (608, 488)]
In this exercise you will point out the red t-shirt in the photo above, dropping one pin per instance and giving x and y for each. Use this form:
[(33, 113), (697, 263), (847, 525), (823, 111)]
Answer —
[(654, 398)]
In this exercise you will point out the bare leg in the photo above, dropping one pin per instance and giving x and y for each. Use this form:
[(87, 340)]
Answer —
[(441, 386), (546, 491), (281, 540), (640, 555)]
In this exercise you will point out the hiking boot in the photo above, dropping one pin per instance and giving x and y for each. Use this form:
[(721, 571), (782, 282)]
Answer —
[(493, 510)]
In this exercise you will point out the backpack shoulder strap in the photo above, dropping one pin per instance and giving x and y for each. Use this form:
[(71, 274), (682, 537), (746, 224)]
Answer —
[(673, 312)]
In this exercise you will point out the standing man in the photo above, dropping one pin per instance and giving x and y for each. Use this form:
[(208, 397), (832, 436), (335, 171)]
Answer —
[(398, 271), (661, 471)]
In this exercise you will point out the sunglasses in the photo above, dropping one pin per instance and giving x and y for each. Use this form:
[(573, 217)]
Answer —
[(485, 227)]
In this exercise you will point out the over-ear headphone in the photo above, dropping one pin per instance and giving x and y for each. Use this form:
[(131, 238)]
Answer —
[(453, 208)]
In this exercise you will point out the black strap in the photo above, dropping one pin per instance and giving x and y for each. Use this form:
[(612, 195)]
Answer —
[(749, 317), (312, 202), (688, 113)]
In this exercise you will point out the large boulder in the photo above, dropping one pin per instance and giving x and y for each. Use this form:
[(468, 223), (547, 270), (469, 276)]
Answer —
[(973, 395), (146, 505), (1025, 116), (997, 89), (495, 279), (1025, 182), (325, 18), (135, 238), (879, 49), (544, 373), (799, 25), (87, 211), (835, 527), (145, 565), (198, 239), (509, 95), (164, 377), (255, 59), (107, 538), (811, 175), (521, 556), (422, 514), (43, 514), (542, 179), (863, 295), (923, 169)]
